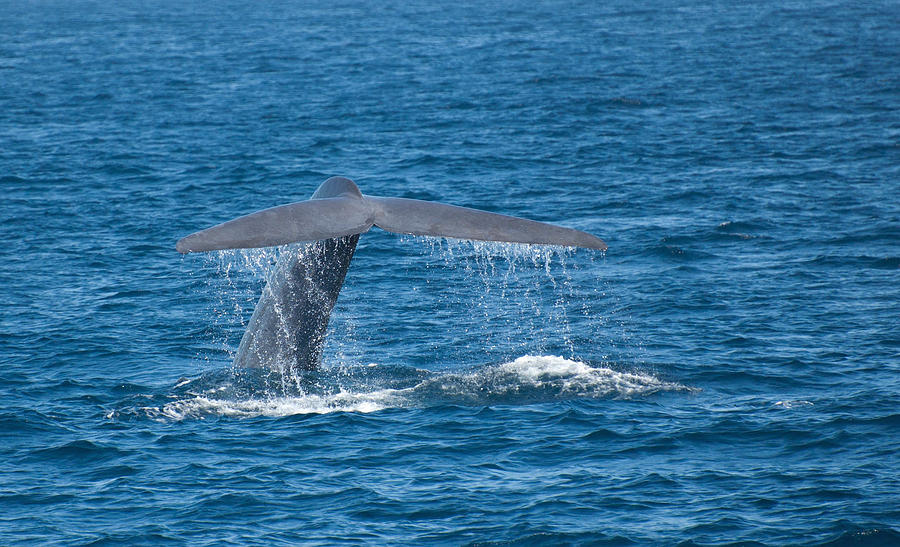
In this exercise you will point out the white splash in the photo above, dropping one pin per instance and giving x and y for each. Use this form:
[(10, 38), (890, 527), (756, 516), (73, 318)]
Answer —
[(577, 376), (527, 379), (534, 367)]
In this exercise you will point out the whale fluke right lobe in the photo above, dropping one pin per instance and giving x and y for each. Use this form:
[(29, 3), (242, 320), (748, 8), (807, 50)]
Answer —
[(428, 218)]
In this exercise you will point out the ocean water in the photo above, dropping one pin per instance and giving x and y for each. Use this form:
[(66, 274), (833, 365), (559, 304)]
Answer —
[(728, 372)]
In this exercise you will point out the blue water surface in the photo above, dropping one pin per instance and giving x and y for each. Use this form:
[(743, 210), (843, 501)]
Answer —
[(729, 371)]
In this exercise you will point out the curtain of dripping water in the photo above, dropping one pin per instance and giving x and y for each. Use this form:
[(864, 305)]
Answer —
[(447, 303), (502, 300), (240, 276)]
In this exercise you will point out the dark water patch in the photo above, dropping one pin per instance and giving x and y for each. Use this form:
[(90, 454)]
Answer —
[(112, 472), (75, 451), (603, 435), (26, 421), (677, 253), (36, 498), (890, 419), (864, 537), (142, 537), (568, 538), (691, 543), (854, 262), (889, 263)]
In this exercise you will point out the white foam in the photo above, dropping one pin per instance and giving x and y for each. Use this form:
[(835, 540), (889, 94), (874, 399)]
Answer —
[(554, 377), (533, 367), (201, 406), (569, 375)]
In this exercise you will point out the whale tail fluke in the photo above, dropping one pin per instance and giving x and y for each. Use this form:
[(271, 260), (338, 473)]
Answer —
[(338, 209)]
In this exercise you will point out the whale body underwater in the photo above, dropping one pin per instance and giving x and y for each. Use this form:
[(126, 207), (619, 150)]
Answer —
[(287, 328)]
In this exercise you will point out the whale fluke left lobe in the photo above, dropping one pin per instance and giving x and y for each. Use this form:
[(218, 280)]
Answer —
[(311, 220)]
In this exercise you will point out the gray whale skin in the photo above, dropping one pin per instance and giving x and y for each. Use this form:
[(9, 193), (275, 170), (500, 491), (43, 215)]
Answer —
[(287, 329)]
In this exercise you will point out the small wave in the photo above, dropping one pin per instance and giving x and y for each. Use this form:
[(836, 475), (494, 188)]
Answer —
[(527, 380), (788, 404), (675, 253), (77, 450)]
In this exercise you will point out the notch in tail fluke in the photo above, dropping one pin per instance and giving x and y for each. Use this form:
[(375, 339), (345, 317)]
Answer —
[(339, 209)]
